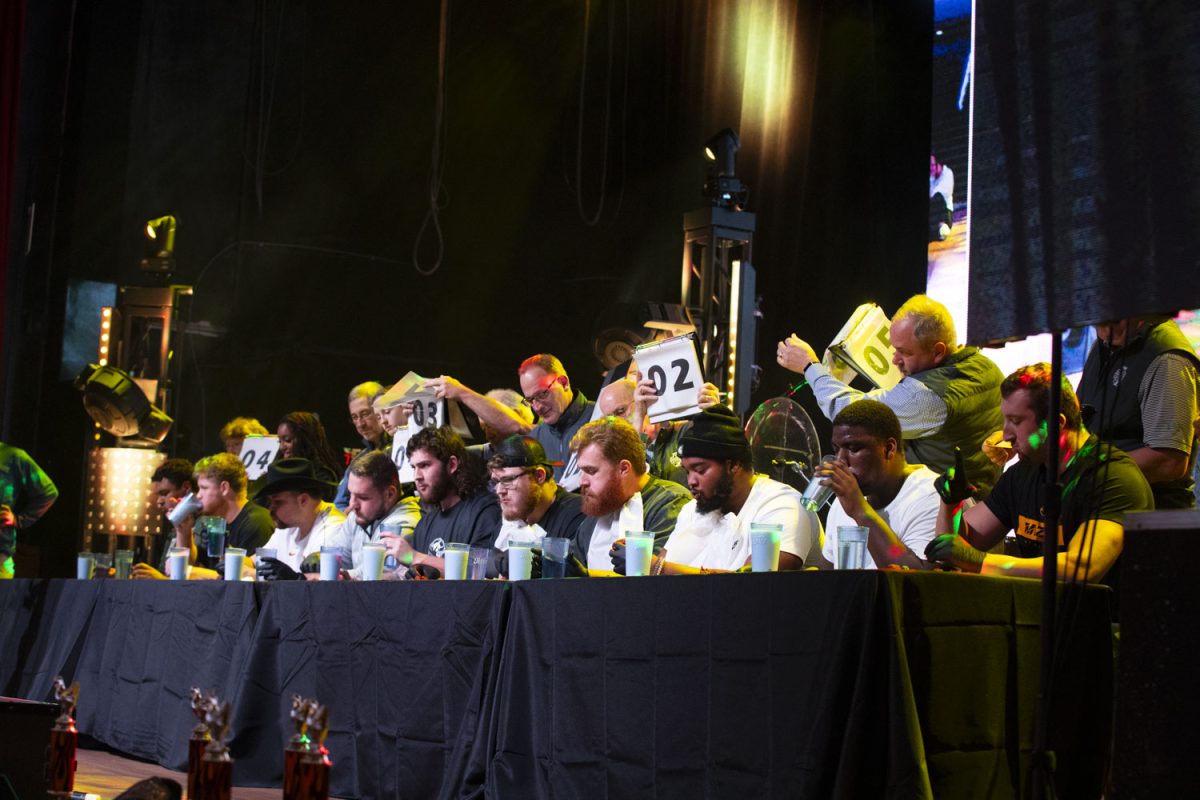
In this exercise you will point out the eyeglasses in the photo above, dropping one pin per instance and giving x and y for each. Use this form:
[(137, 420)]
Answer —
[(506, 481), (363, 416), (544, 394)]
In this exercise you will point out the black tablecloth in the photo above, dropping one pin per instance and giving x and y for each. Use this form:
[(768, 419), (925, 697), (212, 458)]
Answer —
[(790, 685)]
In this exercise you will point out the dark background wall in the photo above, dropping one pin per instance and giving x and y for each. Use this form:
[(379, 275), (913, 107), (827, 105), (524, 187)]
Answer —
[(294, 143)]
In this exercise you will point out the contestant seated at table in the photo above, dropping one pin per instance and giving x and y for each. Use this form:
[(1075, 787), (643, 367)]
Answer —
[(630, 399), (1100, 485), (619, 494), (712, 532), (172, 482), (877, 489), (532, 504), (456, 503), (304, 521), (220, 482), (375, 506)]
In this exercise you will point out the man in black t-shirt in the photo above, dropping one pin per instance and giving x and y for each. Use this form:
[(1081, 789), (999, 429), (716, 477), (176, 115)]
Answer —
[(455, 503), (528, 495), (1100, 485)]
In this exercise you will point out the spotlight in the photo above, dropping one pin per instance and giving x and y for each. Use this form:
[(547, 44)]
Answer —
[(119, 406), (722, 186), (160, 233)]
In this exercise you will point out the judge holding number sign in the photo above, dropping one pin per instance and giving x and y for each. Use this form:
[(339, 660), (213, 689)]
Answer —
[(949, 395)]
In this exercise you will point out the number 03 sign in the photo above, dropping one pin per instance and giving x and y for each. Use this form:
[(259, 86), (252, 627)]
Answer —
[(257, 453), (675, 370)]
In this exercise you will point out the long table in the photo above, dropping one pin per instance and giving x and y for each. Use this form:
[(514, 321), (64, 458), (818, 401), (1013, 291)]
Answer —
[(850, 684)]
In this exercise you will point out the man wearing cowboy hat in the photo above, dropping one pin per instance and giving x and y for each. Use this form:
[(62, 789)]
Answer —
[(304, 521)]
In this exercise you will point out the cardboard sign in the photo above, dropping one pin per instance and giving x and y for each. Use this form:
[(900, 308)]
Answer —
[(863, 346), (673, 366), (257, 454)]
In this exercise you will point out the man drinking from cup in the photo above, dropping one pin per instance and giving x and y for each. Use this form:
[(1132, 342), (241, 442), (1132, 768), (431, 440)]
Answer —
[(712, 533), (877, 489)]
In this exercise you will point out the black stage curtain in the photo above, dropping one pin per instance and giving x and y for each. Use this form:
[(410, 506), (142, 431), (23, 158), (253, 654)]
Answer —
[(794, 685), (1085, 200)]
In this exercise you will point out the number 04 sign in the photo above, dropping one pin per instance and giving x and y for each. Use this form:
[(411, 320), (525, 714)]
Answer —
[(675, 370), (257, 453)]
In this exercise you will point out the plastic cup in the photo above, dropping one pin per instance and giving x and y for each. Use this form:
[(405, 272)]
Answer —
[(480, 558), (215, 536), (265, 552), (331, 558), (84, 565), (815, 495), (373, 554), (764, 547), (520, 561), (639, 552), (554, 557), (456, 557), (123, 562), (177, 563), (851, 547), (234, 563)]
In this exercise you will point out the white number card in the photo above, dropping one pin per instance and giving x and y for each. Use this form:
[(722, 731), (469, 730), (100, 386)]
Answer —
[(673, 366), (400, 454), (257, 454), (863, 345), (426, 413)]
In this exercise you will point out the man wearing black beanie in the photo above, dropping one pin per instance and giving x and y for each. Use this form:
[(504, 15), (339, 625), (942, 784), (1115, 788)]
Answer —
[(712, 533)]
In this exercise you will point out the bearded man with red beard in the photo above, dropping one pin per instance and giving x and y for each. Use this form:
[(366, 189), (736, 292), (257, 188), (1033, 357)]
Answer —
[(618, 493)]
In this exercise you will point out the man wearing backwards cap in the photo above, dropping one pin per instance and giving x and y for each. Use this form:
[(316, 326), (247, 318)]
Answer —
[(304, 522), (712, 532), (529, 497)]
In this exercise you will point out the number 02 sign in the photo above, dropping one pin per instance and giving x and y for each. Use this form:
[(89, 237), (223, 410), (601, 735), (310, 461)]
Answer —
[(257, 453), (675, 370)]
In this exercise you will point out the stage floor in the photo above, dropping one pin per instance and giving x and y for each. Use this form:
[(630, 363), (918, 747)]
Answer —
[(108, 774)]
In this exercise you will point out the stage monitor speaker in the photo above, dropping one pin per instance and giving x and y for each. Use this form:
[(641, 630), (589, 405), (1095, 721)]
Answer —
[(1159, 657), (24, 741), (1084, 196)]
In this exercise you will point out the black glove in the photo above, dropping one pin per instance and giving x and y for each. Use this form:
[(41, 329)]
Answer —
[(575, 567), (617, 554), (272, 569), (952, 550), (311, 565), (952, 485), (424, 572)]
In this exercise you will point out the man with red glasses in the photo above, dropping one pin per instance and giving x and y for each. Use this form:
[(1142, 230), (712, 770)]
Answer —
[(561, 410)]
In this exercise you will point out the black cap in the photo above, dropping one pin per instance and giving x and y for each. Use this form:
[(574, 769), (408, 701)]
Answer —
[(292, 475), (715, 433), (520, 451)]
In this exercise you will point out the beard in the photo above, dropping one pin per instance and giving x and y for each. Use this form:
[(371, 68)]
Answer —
[(719, 497), (597, 504), (518, 508), (439, 490)]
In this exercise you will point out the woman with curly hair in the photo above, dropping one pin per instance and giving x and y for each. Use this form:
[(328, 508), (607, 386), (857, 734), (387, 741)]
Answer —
[(301, 435)]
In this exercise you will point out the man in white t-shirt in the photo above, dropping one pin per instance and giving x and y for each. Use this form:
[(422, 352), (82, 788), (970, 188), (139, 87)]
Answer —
[(876, 488), (303, 521), (712, 532)]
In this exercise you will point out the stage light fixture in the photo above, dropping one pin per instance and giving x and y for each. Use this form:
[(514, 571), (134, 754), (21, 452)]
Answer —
[(160, 232), (119, 406), (722, 186)]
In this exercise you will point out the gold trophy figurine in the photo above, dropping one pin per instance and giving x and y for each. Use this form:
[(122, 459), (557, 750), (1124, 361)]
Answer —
[(63, 738)]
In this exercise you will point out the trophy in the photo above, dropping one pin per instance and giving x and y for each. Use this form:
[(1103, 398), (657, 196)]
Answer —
[(196, 744), (214, 779), (61, 757), (306, 761)]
